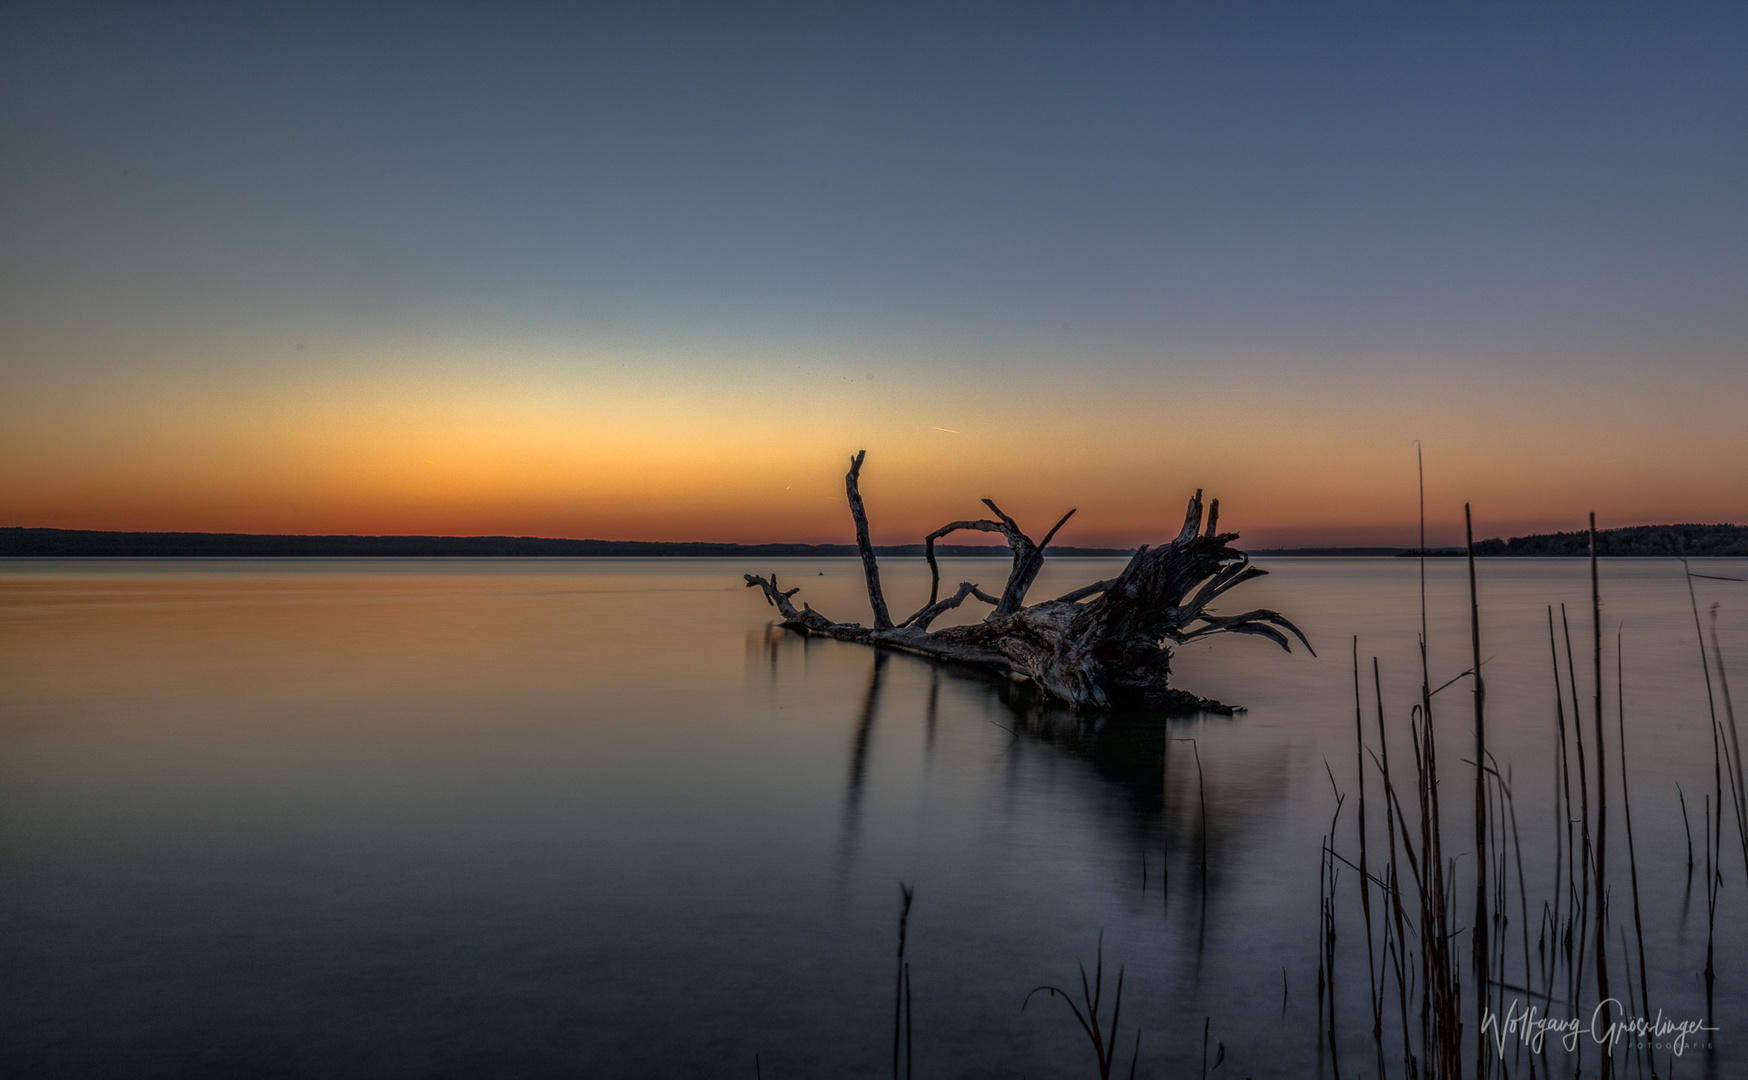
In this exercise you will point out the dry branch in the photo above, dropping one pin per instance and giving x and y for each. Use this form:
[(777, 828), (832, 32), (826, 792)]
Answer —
[(870, 567), (1090, 653)]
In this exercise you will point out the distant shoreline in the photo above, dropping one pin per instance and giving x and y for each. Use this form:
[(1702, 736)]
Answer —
[(18, 542), (81, 543)]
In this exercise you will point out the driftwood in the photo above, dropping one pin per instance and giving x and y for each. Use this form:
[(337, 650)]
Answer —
[(1106, 643)]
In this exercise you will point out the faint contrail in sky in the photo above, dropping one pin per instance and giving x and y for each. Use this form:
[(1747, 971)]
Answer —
[(949, 430)]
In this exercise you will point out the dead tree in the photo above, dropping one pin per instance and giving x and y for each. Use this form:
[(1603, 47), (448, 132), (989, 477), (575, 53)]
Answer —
[(1106, 643)]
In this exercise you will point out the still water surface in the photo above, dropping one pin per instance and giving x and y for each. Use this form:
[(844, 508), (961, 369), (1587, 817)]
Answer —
[(597, 818)]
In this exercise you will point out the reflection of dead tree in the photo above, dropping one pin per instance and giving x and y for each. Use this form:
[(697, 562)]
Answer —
[(1104, 643)]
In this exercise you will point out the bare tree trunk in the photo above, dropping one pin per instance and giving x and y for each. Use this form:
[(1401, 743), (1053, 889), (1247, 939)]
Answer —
[(1106, 643), (870, 567)]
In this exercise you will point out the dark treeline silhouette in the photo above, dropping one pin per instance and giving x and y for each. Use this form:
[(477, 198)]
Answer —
[(91, 544), (1657, 540), (1662, 540)]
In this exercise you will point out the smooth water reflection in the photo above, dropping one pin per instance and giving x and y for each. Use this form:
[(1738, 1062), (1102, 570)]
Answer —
[(396, 818)]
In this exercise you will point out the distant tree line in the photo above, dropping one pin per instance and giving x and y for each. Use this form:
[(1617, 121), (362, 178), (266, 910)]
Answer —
[(22, 542), (1656, 540), (1661, 540)]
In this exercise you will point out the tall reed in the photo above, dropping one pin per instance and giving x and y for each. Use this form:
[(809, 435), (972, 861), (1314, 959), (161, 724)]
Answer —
[(1632, 852), (1373, 1001), (1418, 929), (1328, 875), (1576, 982), (1482, 957), (1738, 780), (1409, 1062)]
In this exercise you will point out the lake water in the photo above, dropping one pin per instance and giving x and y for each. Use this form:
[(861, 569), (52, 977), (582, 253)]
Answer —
[(598, 818)]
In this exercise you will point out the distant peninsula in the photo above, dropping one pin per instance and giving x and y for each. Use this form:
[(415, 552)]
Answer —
[(1637, 540), (1665, 540)]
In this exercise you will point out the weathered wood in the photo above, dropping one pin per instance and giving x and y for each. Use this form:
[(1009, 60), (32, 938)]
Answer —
[(806, 619), (1087, 590), (1028, 557), (870, 567), (929, 548), (1090, 653), (934, 610)]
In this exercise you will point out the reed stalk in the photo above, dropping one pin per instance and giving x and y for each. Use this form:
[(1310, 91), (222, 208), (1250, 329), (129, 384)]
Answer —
[(1632, 852), (1482, 955), (1712, 876), (1522, 897), (1602, 994), (1409, 1063), (1327, 880), (1739, 781), (1686, 828), (1563, 788), (1576, 984), (1376, 1003), (1442, 982), (1104, 1041), (1202, 802), (1714, 820), (909, 1029), (1441, 1021)]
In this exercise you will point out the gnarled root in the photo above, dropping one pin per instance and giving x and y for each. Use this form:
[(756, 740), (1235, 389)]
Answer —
[(1105, 643)]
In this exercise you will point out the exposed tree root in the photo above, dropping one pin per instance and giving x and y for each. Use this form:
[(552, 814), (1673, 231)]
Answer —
[(1103, 644)]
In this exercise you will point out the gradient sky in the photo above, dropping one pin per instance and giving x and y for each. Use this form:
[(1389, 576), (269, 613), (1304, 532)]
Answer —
[(652, 271)]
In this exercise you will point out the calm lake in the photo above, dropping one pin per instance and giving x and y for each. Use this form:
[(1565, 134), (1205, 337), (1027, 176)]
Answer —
[(597, 818)]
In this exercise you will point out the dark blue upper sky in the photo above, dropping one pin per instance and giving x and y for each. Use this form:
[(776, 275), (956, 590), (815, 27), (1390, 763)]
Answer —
[(1136, 172)]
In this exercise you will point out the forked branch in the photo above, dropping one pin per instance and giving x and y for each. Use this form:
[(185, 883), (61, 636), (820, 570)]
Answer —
[(1028, 557)]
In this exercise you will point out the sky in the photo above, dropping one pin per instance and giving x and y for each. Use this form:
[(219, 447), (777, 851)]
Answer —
[(650, 271)]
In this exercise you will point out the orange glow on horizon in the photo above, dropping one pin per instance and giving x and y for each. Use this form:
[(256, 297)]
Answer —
[(632, 452)]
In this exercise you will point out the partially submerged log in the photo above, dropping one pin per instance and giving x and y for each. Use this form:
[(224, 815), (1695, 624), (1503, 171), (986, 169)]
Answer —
[(1106, 643)]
